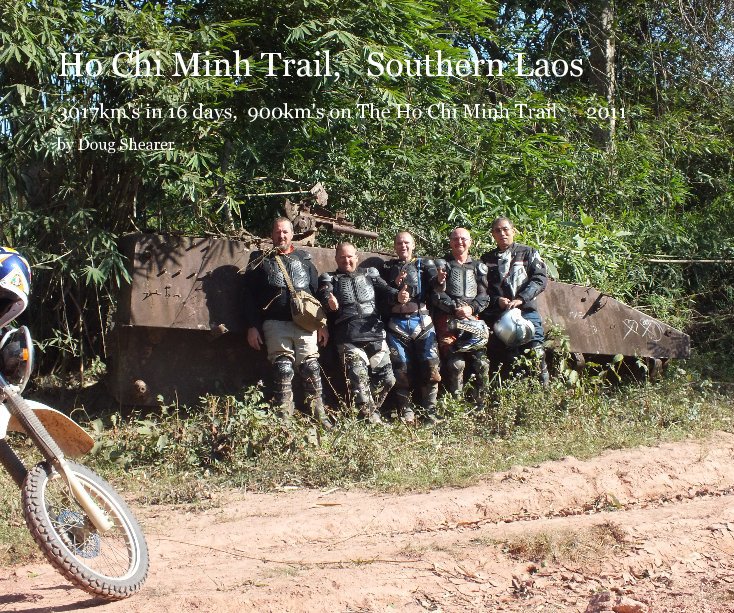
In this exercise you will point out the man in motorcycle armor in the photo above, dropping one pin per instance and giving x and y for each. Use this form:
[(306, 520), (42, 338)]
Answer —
[(516, 276), (458, 302), (268, 316), (410, 332), (350, 296)]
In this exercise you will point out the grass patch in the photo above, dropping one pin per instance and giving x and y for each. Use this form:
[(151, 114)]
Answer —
[(182, 456), (16, 544), (567, 547)]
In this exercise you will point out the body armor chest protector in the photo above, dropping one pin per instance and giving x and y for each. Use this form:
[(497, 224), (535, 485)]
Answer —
[(461, 281), (296, 268), (355, 289)]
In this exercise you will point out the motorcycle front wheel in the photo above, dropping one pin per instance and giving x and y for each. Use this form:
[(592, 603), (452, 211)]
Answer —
[(111, 565)]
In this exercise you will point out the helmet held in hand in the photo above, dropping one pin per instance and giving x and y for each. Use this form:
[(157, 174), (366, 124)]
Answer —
[(471, 334), (513, 329)]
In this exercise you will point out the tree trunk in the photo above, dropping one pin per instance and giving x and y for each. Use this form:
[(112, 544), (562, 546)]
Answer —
[(603, 71)]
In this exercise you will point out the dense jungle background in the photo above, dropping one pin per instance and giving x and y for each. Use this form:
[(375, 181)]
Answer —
[(639, 205)]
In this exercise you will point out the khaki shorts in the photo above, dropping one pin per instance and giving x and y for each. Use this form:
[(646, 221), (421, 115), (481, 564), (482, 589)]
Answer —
[(286, 338)]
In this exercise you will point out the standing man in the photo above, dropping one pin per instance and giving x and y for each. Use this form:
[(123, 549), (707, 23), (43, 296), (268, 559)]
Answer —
[(410, 333), (350, 296), (516, 275), (459, 300), (268, 317)]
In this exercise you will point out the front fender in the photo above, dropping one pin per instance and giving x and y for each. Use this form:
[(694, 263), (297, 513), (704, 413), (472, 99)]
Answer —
[(72, 439)]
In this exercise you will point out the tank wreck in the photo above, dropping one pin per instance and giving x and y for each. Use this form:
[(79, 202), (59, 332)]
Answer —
[(179, 332)]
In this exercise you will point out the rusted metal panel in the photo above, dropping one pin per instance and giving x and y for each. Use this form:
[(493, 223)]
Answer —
[(179, 364), (180, 333), (190, 283), (598, 324)]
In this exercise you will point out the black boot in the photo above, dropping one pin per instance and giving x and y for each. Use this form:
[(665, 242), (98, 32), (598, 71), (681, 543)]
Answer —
[(543, 375), (311, 375), (283, 387)]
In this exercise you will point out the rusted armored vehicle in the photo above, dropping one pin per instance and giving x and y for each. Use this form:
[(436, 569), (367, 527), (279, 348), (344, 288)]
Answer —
[(179, 330)]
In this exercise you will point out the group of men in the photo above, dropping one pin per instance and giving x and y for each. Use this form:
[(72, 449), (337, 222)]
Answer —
[(411, 324)]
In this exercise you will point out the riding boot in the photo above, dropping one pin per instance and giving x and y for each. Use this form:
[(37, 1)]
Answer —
[(319, 413), (431, 417), (402, 392), (283, 387), (480, 366), (429, 390), (407, 415), (543, 374), (455, 366), (310, 372), (384, 380), (370, 412)]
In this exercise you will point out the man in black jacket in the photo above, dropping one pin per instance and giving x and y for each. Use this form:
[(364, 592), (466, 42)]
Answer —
[(516, 275), (458, 303), (410, 332), (350, 296), (268, 315)]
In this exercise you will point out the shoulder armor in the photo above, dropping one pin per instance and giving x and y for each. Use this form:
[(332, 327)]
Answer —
[(482, 268), (372, 272), (304, 255), (255, 260)]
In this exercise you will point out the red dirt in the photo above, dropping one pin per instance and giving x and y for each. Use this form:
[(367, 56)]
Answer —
[(667, 512)]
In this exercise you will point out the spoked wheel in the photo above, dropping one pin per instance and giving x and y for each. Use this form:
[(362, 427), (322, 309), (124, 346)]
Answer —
[(112, 565)]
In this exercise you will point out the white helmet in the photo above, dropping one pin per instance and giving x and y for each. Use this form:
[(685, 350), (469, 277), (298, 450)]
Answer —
[(15, 284), (513, 329)]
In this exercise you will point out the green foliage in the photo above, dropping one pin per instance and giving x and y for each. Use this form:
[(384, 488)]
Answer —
[(235, 441), (598, 198), (65, 208), (225, 432)]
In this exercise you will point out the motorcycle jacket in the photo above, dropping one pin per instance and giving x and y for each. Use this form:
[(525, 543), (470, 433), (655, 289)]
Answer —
[(517, 272), (359, 294), (466, 284), (266, 294), (420, 277)]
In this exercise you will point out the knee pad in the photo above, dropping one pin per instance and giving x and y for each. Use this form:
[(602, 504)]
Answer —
[(354, 361), (283, 370), (359, 378), (455, 364), (431, 371), (309, 369), (385, 376), (310, 372)]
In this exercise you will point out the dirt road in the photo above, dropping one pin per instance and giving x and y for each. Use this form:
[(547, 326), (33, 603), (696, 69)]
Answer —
[(649, 529)]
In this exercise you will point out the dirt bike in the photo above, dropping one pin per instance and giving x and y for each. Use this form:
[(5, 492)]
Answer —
[(82, 525)]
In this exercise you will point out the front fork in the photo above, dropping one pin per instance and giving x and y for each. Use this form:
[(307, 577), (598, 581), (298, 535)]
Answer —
[(12, 463), (51, 451)]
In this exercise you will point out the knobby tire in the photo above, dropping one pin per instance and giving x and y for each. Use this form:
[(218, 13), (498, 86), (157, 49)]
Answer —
[(112, 565)]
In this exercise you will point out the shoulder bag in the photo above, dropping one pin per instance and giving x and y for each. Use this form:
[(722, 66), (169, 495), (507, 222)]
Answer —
[(306, 311)]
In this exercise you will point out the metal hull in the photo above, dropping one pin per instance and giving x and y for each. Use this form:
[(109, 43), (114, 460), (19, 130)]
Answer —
[(179, 331)]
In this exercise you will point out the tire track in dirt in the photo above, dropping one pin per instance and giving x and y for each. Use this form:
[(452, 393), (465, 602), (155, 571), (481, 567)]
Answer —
[(662, 517)]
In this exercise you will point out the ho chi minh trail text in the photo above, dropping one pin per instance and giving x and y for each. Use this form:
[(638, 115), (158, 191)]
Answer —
[(142, 64)]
